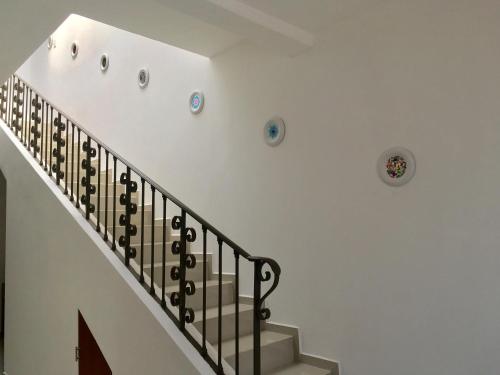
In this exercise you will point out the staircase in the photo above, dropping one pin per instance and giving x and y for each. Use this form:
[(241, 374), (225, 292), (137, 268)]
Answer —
[(164, 244)]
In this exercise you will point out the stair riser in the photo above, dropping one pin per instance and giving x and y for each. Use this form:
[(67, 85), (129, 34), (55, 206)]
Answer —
[(147, 233), (195, 274), (103, 200), (94, 178), (158, 249), (134, 219), (228, 329), (273, 356), (196, 301)]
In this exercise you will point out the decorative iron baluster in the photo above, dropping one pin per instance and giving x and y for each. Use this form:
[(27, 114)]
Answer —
[(3, 101), (72, 195), (51, 138), (41, 132), (125, 219), (87, 179), (66, 174), (56, 152), (46, 120), (261, 313), (18, 108), (237, 312), (186, 261), (98, 225), (106, 213), (78, 169), (34, 129), (141, 278)]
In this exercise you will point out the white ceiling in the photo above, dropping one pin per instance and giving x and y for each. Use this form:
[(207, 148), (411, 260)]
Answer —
[(312, 15), (285, 26)]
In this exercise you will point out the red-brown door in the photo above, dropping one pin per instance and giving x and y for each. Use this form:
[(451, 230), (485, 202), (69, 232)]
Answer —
[(91, 360)]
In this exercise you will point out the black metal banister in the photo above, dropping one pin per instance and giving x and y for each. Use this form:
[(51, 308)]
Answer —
[(88, 149)]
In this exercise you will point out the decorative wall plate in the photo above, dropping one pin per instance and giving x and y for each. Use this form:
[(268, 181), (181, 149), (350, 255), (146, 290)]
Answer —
[(143, 78), (274, 131), (74, 49), (104, 62), (196, 102), (396, 166)]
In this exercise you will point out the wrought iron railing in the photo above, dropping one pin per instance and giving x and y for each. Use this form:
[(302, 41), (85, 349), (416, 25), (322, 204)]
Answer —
[(57, 142)]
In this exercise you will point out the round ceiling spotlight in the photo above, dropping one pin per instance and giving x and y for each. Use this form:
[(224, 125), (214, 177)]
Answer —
[(104, 63), (196, 102), (274, 131), (74, 49), (143, 78)]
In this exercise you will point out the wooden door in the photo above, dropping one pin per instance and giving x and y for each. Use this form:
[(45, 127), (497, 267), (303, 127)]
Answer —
[(91, 360)]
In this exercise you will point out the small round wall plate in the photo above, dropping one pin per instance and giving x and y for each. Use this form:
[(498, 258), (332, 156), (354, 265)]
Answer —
[(396, 166), (196, 102), (143, 78), (274, 131), (74, 49), (104, 62)]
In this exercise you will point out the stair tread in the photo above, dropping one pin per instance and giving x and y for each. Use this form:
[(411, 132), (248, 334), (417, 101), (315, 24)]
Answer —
[(198, 285), (301, 369), (213, 313), (246, 342)]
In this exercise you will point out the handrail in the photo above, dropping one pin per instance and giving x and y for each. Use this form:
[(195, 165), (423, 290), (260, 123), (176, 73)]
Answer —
[(157, 186), (44, 130)]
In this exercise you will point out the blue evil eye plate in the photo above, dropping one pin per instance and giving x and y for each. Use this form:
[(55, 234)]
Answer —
[(274, 131), (196, 102)]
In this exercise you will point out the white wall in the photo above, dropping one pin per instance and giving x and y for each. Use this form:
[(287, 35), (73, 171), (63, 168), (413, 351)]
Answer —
[(388, 281), (57, 265)]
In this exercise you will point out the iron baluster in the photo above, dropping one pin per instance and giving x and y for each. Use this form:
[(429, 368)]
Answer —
[(98, 225), (107, 198), (90, 171), (51, 139), (204, 310), (141, 278), (30, 101), (78, 170), (164, 255), (219, 311), (178, 273), (46, 120), (66, 163), (34, 129), (113, 247), (125, 219), (41, 132), (72, 196), (152, 287), (56, 152), (237, 312)]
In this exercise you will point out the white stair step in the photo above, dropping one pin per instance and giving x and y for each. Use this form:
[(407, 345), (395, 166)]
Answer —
[(147, 231), (228, 321), (196, 301), (277, 351), (301, 369), (194, 274), (135, 219), (158, 249)]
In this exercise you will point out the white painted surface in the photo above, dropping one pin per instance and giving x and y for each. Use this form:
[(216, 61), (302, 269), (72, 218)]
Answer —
[(27, 23), (56, 265), (388, 281)]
